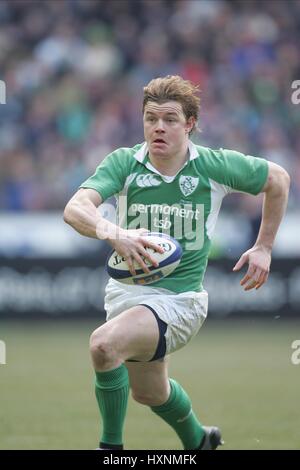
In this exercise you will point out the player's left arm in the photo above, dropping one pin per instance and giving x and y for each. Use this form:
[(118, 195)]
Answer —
[(258, 258)]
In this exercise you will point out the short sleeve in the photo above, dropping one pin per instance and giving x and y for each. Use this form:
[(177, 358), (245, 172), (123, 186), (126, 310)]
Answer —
[(238, 172), (109, 176)]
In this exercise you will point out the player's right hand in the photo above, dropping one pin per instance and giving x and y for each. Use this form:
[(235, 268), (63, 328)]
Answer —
[(131, 244)]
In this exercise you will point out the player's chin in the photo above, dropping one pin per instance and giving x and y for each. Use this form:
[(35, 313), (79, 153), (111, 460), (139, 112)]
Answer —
[(159, 149)]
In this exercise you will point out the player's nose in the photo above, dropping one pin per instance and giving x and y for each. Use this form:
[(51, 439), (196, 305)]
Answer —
[(160, 126)]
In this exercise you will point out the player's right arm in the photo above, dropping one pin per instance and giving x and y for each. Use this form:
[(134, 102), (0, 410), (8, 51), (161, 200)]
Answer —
[(83, 215)]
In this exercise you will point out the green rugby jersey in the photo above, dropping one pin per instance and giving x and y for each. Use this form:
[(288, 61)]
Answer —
[(185, 206)]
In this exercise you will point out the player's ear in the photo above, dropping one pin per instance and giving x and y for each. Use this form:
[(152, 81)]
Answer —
[(190, 124)]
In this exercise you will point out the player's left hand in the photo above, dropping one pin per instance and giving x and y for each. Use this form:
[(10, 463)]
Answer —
[(259, 260)]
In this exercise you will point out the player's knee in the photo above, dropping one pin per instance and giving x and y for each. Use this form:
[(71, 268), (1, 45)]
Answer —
[(101, 348)]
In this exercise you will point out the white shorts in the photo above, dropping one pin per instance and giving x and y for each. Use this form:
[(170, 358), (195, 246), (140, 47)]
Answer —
[(183, 313)]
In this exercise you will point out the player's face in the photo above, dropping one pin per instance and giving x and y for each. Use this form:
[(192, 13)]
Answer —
[(166, 128)]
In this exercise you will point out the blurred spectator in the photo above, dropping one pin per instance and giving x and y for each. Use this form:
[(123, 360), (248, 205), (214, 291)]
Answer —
[(74, 72)]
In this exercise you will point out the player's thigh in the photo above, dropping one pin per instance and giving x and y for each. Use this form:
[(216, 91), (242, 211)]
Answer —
[(134, 334), (149, 381)]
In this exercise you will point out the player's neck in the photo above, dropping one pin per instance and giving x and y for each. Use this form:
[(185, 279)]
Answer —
[(169, 165)]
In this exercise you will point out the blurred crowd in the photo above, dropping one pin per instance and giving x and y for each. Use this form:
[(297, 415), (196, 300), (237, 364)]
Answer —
[(74, 72)]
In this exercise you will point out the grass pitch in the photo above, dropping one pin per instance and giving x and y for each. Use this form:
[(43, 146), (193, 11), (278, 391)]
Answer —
[(238, 374)]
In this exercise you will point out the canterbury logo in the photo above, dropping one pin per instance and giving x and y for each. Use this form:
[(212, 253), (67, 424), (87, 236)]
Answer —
[(144, 181)]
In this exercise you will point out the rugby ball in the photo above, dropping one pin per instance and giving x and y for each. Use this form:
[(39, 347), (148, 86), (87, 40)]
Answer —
[(117, 266)]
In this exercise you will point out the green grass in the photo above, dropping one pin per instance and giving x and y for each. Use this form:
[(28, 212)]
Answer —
[(238, 374)]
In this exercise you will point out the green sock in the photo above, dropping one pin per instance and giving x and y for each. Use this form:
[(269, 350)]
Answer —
[(112, 389), (178, 413)]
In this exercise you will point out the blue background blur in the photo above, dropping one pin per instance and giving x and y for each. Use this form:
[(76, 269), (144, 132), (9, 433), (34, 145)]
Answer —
[(74, 72)]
